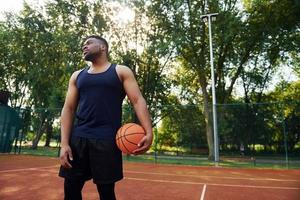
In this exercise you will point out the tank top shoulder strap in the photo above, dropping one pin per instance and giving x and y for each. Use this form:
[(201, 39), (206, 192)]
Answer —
[(81, 71), (113, 66)]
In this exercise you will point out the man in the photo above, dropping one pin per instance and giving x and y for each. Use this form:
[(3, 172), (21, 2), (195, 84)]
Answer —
[(88, 150)]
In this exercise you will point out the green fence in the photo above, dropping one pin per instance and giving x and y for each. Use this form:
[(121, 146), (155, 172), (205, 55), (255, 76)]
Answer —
[(260, 133), (251, 135), (9, 128)]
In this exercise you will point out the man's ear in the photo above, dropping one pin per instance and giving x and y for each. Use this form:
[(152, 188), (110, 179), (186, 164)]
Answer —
[(102, 47)]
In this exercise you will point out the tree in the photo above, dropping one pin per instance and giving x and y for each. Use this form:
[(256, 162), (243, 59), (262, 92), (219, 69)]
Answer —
[(44, 49), (289, 111), (239, 36), (140, 47)]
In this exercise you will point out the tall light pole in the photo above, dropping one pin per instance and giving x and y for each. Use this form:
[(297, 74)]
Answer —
[(208, 18)]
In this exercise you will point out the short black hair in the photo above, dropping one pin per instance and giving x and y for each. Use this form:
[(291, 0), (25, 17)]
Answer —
[(98, 38)]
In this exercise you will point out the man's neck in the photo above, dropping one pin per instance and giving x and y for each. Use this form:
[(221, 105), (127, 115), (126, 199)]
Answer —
[(100, 63)]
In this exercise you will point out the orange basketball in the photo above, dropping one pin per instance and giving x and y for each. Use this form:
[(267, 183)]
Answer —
[(128, 137)]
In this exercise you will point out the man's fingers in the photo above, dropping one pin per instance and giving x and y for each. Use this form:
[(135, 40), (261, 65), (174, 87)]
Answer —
[(66, 156), (140, 150), (141, 143), (70, 155), (67, 164), (143, 146)]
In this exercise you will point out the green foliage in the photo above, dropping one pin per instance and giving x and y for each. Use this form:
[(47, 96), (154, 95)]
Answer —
[(266, 124), (44, 49), (166, 46), (182, 126)]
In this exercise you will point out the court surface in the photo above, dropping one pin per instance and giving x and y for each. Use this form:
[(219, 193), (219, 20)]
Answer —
[(31, 177)]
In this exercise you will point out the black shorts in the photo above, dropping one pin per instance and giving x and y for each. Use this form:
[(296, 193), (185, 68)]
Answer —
[(94, 158)]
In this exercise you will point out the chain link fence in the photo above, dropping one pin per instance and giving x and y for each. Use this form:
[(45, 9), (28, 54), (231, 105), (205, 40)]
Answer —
[(260, 133), (253, 135)]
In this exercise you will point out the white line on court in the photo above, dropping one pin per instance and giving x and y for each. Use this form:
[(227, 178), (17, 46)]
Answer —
[(212, 184), (163, 174), (203, 192), (218, 177), (28, 169), (169, 181)]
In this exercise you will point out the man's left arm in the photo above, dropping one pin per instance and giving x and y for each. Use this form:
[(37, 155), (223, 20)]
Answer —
[(137, 100)]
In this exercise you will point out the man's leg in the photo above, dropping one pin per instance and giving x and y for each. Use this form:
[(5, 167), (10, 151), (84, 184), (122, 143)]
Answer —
[(73, 189), (106, 191)]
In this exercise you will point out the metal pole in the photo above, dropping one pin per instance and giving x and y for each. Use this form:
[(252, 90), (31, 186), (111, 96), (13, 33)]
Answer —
[(155, 144), (284, 137), (285, 146), (215, 126)]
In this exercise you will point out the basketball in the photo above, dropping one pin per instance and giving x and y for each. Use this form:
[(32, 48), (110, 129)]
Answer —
[(128, 137)]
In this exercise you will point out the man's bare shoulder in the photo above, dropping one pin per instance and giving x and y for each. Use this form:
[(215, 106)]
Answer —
[(123, 70)]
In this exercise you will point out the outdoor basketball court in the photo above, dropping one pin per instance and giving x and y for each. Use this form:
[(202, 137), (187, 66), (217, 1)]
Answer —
[(30, 177)]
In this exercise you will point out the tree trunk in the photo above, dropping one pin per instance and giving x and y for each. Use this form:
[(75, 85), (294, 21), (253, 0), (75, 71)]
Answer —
[(207, 113), (209, 131), (49, 133), (38, 135)]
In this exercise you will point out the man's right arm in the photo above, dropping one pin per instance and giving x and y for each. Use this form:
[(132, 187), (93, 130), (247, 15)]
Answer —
[(67, 121)]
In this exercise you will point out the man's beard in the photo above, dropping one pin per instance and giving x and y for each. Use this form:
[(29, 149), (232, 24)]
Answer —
[(91, 56)]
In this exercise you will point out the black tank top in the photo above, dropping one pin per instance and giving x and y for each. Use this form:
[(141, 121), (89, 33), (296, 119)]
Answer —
[(99, 110)]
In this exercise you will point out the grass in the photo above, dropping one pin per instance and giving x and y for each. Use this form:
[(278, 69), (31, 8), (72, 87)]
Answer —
[(40, 151), (168, 160), (226, 161), (202, 161)]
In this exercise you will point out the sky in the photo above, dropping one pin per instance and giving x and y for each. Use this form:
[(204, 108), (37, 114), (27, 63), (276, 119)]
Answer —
[(15, 5), (12, 5)]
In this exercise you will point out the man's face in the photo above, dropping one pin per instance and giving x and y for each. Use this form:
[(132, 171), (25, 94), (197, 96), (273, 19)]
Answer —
[(92, 49)]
